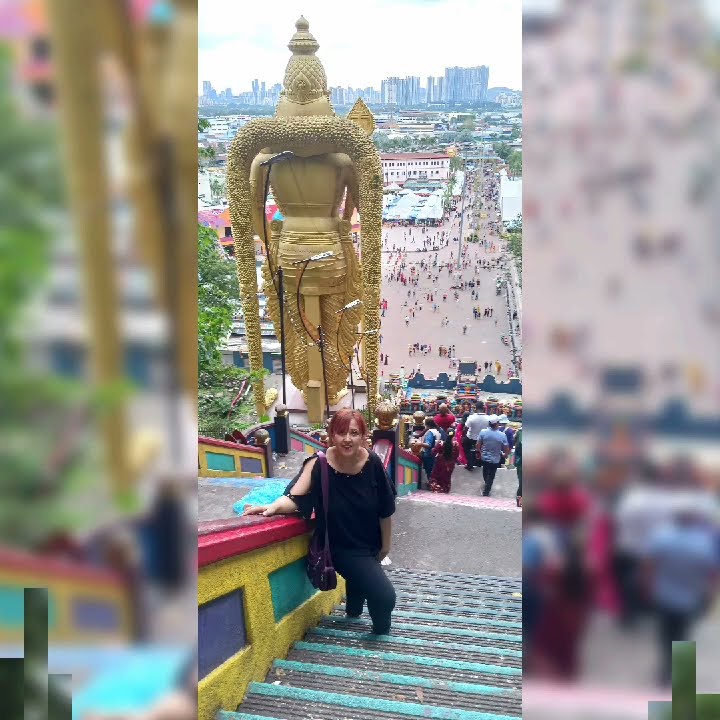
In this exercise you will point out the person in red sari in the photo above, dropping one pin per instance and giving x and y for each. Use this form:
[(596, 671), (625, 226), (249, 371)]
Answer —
[(446, 455), (459, 434)]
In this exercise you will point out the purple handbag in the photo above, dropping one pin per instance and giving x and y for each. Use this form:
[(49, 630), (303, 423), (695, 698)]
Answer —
[(320, 568)]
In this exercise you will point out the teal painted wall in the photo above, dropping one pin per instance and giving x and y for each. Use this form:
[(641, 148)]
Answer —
[(220, 461), (12, 608), (290, 588)]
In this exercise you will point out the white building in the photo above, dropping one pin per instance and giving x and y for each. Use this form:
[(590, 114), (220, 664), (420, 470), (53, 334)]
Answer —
[(510, 197), (509, 99), (415, 166)]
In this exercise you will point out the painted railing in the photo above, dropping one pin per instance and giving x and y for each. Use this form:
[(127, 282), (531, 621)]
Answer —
[(86, 605), (254, 601), (220, 458), (407, 472), (304, 443)]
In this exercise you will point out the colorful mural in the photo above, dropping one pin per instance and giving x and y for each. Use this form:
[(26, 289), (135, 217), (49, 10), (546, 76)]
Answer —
[(85, 604), (219, 458)]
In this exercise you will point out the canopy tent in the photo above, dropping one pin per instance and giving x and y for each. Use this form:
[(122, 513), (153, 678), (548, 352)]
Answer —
[(431, 209), (404, 208), (393, 187)]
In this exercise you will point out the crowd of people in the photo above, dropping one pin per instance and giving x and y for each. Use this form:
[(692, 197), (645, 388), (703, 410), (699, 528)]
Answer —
[(428, 272), (474, 439), (638, 543)]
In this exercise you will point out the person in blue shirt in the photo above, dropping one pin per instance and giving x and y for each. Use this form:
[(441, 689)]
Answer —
[(681, 576), (492, 445), (430, 438)]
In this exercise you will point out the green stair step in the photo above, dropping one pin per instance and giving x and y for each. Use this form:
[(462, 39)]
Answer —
[(474, 610), (470, 595), (407, 664), (394, 686), (454, 596), (509, 585), (401, 626), (394, 639), (457, 619), (292, 699)]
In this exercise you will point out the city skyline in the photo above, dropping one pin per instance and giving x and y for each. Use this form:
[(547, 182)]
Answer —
[(238, 44), (457, 85)]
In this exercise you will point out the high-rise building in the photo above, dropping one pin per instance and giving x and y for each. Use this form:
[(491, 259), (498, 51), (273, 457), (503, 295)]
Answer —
[(256, 92), (390, 91), (466, 84), (207, 88), (401, 91)]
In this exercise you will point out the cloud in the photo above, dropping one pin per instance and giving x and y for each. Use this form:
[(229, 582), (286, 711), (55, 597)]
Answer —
[(359, 47)]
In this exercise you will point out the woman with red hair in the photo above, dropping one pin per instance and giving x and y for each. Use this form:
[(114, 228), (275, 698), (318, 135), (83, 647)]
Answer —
[(361, 503)]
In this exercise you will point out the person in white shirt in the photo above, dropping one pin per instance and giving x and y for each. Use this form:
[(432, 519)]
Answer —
[(475, 424)]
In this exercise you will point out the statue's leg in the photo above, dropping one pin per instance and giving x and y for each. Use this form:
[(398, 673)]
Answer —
[(314, 389)]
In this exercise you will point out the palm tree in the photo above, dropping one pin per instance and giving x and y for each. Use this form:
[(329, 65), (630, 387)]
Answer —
[(217, 190)]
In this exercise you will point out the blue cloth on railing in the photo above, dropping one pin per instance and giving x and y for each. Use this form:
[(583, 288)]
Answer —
[(127, 680), (264, 495)]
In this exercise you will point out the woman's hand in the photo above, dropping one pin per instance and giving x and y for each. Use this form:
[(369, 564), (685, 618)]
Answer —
[(265, 510), (384, 552)]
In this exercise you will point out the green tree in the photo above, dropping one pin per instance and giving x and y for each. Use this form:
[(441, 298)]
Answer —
[(456, 163), (514, 237), (218, 304), (218, 299), (47, 454), (502, 150), (205, 154), (217, 190), (515, 163)]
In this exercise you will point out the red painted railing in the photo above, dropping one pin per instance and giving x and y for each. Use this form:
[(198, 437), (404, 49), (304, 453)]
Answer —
[(221, 539), (231, 445)]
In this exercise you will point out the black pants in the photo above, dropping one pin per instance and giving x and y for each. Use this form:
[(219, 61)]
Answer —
[(469, 448), (488, 470), (518, 467), (626, 569), (365, 579)]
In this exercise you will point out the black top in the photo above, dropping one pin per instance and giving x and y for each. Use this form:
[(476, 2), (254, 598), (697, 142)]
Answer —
[(357, 502)]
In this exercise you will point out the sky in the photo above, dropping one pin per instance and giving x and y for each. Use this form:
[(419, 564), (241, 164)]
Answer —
[(360, 43)]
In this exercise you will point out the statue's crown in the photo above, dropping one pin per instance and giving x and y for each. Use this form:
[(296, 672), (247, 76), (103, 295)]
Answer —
[(305, 78)]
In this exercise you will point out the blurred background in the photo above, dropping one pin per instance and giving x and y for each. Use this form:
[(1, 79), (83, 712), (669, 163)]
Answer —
[(98, 344), (620, 544)]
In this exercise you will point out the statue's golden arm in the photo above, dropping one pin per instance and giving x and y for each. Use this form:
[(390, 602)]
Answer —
[(352, 200), (258, 177), (242, 195)]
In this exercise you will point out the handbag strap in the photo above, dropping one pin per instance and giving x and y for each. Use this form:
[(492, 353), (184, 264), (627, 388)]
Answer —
[(325, 486)]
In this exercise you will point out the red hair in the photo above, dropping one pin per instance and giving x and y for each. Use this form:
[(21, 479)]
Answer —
[(340, 422)]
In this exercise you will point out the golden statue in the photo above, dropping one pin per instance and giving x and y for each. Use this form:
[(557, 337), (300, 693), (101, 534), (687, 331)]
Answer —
[(317, 163)]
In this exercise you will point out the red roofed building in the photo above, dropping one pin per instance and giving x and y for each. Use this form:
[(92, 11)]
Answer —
[(399, 167)]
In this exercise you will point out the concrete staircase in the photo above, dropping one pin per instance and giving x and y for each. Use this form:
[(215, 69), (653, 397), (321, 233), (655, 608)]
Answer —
[(454, 653)]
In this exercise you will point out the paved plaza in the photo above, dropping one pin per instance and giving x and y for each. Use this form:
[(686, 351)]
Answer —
[(482, 341)]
